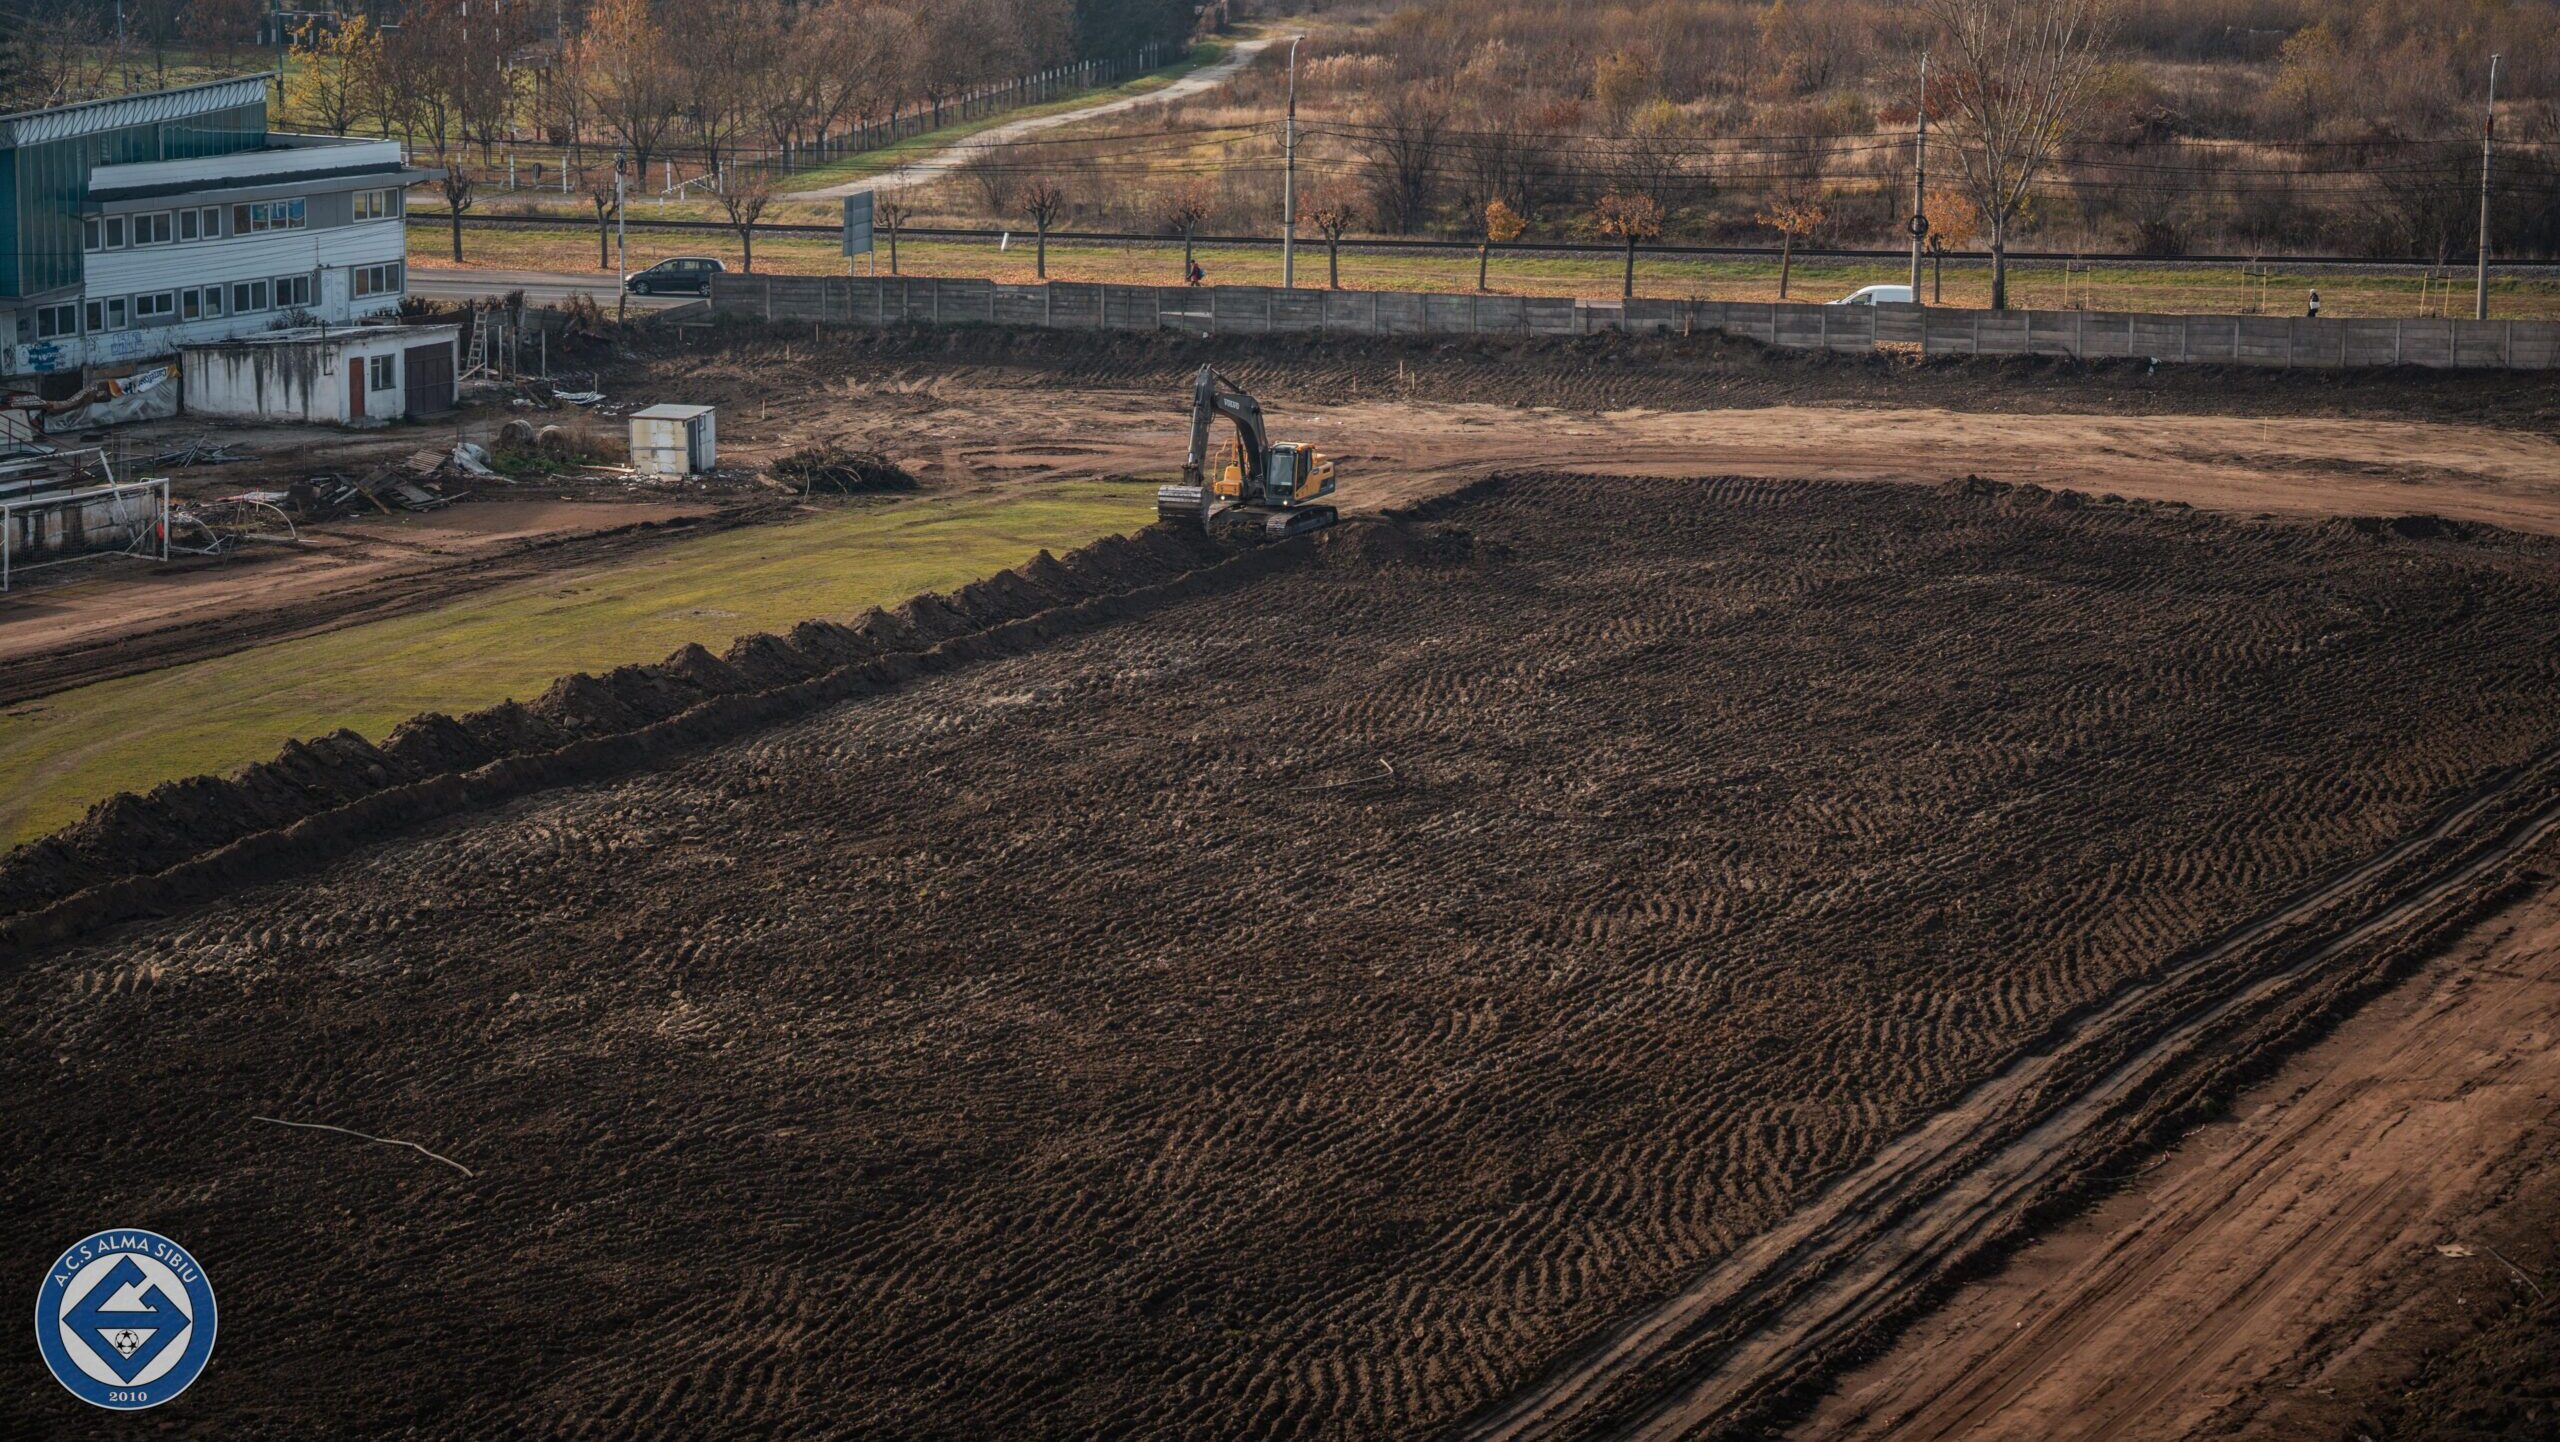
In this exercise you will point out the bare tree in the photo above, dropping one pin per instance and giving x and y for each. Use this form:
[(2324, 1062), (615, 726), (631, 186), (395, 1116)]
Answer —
[(1332, 209), (1631, 217), (745, 191), (337, 71), (1043, 200), (892, 213), (1182, 208), (1403, 156), (727, 50), (59, 59), (2014, 84), (633, 88), (2426, 200), (427, 69), (1796, 206), (606, 195), (1792, 217)]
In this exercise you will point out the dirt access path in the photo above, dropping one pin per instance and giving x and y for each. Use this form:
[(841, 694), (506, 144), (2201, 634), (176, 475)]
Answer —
[(2243, 1285), (941, 162)]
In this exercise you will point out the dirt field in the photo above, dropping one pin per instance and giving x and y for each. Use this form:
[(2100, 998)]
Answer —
[(1371, 998), (964, 408)]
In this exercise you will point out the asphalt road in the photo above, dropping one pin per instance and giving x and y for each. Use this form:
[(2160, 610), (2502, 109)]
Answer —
[(542, 287)]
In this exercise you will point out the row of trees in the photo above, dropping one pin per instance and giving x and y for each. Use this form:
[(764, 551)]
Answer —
[(740, 87), (2032, 136)]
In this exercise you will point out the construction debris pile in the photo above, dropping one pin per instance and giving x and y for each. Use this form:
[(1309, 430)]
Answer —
[(204, 450)]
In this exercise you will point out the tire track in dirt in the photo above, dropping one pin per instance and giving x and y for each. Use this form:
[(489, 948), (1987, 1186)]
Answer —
[(1822, 1284)]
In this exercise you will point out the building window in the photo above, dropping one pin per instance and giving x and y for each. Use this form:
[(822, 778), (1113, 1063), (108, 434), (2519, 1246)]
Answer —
[(158, 308), (377, 204), (292, 291), (268, 215), (377, 280), (248, 295), (201, 304), (381, 373), (105, 315), (57, 320), (157, 228), (115, 231), (209, 221), (102, 232)]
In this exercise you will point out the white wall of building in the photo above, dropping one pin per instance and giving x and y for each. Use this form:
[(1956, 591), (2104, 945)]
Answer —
[(303, 377)]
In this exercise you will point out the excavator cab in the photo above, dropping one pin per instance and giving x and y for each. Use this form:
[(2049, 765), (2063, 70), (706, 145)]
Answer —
[(1298, 474), (1272, 483)]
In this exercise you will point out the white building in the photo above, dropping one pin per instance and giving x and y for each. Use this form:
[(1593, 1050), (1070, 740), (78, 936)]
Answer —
[(350, 376), (133, 226)]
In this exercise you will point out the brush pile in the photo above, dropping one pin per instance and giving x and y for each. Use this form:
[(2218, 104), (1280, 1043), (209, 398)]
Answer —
[(831, 467)]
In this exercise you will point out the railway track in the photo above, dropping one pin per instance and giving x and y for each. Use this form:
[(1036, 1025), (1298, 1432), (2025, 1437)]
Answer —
[(1774, 1318)]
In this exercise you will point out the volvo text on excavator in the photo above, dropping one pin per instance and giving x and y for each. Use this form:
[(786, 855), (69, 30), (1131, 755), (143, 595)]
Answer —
[(1274, 484)]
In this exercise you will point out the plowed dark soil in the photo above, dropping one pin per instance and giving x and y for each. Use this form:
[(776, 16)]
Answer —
[(1315, 1008)]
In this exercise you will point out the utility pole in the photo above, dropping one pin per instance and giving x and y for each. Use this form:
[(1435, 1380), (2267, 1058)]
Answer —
[(2488, 136), (1920, 177), (621, 237), (1289, 178)]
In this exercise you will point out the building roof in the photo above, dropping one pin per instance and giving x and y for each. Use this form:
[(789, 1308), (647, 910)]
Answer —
[(89, 117), (670, 413), (329, 335)]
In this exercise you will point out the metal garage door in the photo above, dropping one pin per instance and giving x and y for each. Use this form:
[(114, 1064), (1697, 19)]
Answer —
[(427, 378)]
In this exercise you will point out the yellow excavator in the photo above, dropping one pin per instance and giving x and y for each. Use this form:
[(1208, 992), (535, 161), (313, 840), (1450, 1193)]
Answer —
[(1274, 484)]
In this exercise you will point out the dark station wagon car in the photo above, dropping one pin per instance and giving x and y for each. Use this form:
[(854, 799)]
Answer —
[(684, 275)]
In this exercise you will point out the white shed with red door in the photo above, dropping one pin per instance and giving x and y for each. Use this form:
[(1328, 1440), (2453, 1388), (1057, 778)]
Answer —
[(357, 375)]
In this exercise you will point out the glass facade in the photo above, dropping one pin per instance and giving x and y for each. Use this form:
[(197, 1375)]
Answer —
[(43, 186)]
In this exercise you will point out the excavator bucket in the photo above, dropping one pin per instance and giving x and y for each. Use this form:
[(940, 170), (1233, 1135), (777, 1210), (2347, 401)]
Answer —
[(1184, 505)]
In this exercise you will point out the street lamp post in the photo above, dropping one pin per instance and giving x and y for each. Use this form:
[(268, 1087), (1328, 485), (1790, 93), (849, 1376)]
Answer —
[(621, 237), (2488, 135), (1920, 178), (1289, 178)]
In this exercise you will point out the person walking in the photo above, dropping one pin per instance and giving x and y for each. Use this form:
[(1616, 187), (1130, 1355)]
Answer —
[(2315, 303), (1195, 275)]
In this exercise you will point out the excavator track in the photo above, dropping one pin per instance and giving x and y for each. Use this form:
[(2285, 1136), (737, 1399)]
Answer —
[(1280, 524)]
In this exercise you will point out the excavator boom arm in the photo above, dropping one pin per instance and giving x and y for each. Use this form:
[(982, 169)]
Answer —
[(1212, 396)]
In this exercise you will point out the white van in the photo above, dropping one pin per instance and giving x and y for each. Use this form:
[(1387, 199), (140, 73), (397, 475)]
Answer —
[(1878, 295)]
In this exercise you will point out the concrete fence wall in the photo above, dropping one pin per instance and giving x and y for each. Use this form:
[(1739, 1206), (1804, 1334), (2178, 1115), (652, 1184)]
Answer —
[(1225, 310)]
